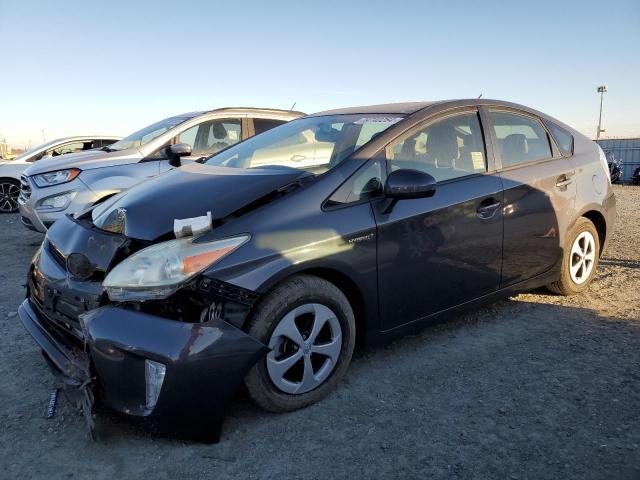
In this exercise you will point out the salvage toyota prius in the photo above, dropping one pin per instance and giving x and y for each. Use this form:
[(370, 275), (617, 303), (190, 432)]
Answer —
[(268, 262)]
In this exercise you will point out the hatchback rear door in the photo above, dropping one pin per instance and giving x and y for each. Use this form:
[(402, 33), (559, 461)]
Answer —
[(438, 252)]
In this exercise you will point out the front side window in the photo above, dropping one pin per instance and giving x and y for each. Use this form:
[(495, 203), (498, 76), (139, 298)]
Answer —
[(211, 136), (311, 144), (521, 138), (66, 148), (449, 148), (105, 142), (366, 183), (263, 124)]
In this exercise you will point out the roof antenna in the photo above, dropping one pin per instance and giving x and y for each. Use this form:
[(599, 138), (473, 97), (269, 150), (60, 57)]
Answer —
[(480, 96), (294, 104)]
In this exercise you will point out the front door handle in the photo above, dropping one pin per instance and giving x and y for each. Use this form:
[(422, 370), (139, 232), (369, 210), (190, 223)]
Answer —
[(488, 209)]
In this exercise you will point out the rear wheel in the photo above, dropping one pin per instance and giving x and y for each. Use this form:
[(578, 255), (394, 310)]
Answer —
[(9, 191), (308, 324), (580, 260)]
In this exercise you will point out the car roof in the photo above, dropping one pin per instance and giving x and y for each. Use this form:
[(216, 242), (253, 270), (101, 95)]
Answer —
[(409, 108), (405, 108), (248, 111), (84, 137)]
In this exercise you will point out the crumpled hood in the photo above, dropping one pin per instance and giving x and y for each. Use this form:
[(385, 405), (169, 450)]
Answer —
[(84, 160), (190, 191)]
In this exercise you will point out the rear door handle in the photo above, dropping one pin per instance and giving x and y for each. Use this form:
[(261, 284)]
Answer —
[(564, 180), (487, 210)]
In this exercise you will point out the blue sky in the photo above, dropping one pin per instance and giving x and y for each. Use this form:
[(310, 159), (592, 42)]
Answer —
[(77, 67)]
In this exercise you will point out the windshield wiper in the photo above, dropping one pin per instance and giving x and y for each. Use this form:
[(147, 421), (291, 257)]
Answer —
[(107, 149)]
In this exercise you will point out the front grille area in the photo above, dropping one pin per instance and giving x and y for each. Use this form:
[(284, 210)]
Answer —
[(57, 255), (25, 189), (68, 334), (40, 299)]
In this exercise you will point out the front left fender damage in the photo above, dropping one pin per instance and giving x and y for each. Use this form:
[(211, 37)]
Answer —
[(205, 364)]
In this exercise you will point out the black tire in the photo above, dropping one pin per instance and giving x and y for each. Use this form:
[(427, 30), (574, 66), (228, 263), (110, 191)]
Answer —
[(294, 292), (9, 191), (565, 284)]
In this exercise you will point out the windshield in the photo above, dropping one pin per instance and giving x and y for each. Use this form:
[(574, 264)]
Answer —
[(312, 144), (144, 136)]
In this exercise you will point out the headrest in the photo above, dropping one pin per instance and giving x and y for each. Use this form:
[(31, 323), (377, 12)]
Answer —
[(218, 130), (326, 133), (516, 145), (442, 143)]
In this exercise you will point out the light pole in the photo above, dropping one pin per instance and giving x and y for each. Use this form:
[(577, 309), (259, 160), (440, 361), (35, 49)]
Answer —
[(601, 90)]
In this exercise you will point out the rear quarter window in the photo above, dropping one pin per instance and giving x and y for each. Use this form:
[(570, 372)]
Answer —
[(563, 139)]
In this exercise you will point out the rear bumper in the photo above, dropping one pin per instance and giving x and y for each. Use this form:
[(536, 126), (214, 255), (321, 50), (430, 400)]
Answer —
[(609, 211), (205, 363)]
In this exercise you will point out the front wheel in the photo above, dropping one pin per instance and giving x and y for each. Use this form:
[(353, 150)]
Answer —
[(9, 192), (309, 325), (580, 259)]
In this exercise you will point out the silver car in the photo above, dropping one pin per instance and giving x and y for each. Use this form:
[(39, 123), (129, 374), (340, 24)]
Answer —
[(55, 187), (11, 170)]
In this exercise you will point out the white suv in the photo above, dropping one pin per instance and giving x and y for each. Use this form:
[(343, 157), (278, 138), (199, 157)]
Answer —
[(10, 170)]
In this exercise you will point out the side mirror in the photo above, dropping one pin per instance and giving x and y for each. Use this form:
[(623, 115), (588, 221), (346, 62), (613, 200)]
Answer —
[(177, 151), (406, 184)]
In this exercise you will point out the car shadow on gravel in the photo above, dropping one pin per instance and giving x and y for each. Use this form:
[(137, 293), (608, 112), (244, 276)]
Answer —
[(613, 262), (518, 389)]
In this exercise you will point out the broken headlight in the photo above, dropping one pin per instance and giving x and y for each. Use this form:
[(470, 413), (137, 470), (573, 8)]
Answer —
[(160, 270)]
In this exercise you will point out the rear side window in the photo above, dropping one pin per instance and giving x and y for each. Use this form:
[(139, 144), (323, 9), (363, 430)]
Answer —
[(263, 124), (521, 138), (563, 139)]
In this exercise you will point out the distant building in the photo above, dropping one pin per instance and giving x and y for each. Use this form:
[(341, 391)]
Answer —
[(5, 151), (626, 149)]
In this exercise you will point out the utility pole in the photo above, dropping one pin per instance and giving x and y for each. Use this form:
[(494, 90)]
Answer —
[(43, 139), (601, 90)]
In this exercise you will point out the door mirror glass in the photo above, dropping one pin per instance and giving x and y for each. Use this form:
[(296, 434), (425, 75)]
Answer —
[(175, 152), (407, 183)]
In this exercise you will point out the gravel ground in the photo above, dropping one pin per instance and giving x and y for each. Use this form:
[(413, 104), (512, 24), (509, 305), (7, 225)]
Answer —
[(537, 386)]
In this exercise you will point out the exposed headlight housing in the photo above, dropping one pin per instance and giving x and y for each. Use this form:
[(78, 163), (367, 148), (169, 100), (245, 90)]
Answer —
[(160, 270), (50, 179)]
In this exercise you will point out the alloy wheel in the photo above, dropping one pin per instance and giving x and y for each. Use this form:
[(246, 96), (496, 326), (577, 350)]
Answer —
[(9, 197), (305, 347), (583, 256)]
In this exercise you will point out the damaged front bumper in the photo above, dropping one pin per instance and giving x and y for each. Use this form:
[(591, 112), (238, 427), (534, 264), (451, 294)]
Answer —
[(204, 363)]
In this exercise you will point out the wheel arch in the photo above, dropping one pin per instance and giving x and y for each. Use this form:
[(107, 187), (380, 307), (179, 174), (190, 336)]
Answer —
[(346, 285), (597, 218), (13, 179)]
